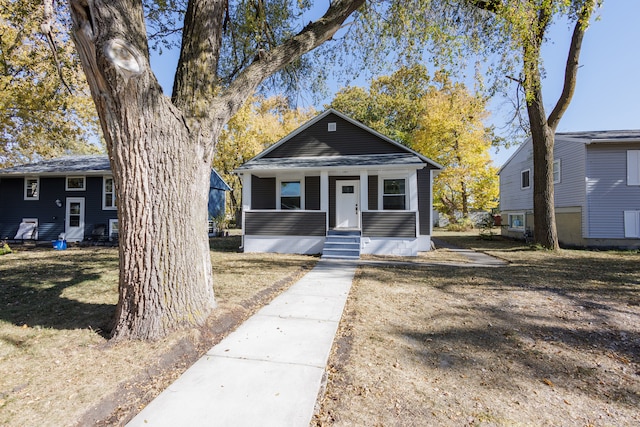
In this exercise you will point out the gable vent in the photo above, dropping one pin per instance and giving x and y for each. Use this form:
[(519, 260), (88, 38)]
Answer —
[(332, 127)]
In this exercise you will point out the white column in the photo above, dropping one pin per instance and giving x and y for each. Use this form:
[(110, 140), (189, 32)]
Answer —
[(246, 197), (364, 191), (413, 197), (324, 196)]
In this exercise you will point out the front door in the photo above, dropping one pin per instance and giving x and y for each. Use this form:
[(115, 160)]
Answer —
[(347, 204), (74, 219)]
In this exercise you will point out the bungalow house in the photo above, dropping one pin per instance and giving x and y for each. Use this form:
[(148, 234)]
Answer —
[(71, 195), (596, 184), (337, 187)]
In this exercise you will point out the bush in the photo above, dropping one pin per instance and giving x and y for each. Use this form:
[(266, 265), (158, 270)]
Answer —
[(463, 224), (4, 248)]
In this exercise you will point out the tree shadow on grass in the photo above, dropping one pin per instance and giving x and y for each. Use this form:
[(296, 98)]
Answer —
[(31, 294)]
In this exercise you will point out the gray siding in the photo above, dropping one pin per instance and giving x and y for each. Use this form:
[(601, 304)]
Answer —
[(389, 224), (263, 193), (50, 217), (285, 223), (373, 192), (312, 193), (570, 191), (512, 197), (348, 139), (424, 200), (608, 194)]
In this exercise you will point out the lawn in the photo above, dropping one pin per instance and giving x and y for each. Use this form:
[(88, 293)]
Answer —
[(56, 366), (551, 339)]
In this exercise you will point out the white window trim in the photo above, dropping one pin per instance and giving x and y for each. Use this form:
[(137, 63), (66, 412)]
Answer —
[(524, 221), (113, 224), (559, 167), (407, 190), (521, 175), (37, 196), (84, 183), (279, 182), (633, 167), (104, 194)]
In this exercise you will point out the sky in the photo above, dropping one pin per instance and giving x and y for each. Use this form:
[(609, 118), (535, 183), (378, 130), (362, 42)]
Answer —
[(607, 95)]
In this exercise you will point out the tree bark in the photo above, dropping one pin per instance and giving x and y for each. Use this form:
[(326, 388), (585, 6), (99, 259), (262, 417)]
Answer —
[(161, 149)]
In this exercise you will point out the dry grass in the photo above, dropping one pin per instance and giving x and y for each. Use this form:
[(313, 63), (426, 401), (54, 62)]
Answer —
[(55, 363), (552, 339)]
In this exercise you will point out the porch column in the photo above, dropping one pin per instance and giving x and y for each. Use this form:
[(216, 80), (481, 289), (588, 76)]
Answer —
[(364, 191), (412, 181), (246, 197), (324, 196)]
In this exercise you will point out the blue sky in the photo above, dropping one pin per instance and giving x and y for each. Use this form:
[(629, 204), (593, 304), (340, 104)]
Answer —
[(607, 95)]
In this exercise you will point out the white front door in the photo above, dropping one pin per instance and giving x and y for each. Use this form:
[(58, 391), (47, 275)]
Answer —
[(74, 219), (347, 204)]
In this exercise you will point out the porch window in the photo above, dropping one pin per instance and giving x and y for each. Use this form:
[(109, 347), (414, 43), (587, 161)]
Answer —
[(32, 188), (75, 183), (516, 221), (108, 193), (290, 196), (393, 195)]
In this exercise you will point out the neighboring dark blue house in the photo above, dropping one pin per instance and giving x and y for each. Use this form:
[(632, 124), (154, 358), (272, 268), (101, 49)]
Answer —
[(71, 195)]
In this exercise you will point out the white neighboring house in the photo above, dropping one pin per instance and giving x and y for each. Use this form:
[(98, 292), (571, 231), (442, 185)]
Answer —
[(596, 186), (337, 187)]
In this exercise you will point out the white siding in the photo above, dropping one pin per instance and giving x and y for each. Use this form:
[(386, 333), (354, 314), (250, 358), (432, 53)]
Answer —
[(608, 194)]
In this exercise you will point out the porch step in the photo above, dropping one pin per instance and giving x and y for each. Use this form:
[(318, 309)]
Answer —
[(342, 244)]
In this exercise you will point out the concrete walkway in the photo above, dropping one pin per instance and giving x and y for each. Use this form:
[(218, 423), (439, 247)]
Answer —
[(269, 371)]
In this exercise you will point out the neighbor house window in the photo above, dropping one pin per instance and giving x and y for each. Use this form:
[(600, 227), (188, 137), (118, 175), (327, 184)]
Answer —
[(108, 193), (113, 229), (525, 179), (633, 167), (516, 221), (556, 171), (75, 183), (393, 194), (290, 196), (31, 188), (632, 224)]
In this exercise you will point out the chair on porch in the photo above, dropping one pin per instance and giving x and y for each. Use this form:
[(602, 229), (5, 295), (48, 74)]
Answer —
[(26, 231), (98, 235)]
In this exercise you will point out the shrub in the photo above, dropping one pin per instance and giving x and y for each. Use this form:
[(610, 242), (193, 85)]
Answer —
[(4, 248), (463, 224)]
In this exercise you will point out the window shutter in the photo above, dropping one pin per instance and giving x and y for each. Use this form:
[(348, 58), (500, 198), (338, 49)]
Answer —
[(631, 223), (633, 167)]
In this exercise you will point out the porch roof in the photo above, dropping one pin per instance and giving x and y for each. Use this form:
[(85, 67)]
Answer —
[(333, 162)]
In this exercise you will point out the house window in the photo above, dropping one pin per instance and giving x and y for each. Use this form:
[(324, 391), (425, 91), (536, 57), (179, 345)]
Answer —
[(556, 171), (331, 127), (632, 224), (108, 193), (113, 229), (516, 221), (31, 188), (633, 167), (290, 196), (393, 194), (75, 183), (525, 179), (348, 189)]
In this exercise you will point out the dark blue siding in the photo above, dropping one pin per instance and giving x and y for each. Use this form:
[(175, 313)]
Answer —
[(50, 217)]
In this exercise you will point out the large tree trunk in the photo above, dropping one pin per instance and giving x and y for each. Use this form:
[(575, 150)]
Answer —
[(161, 149)]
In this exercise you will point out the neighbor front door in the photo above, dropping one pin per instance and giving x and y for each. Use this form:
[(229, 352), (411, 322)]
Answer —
[(347, 204), (74, 219)]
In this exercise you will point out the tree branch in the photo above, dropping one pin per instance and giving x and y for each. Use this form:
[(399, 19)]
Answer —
[(571, 69)]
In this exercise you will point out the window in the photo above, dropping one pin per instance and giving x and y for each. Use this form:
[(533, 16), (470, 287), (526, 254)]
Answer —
[(556, 171), (348, 189), (31, 188), (331, 127), (108, 193), (113, 229), (632, 224), (525, 181), (393, 194), (633, 167), (516, 221), (290, 196), (75, 183)]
